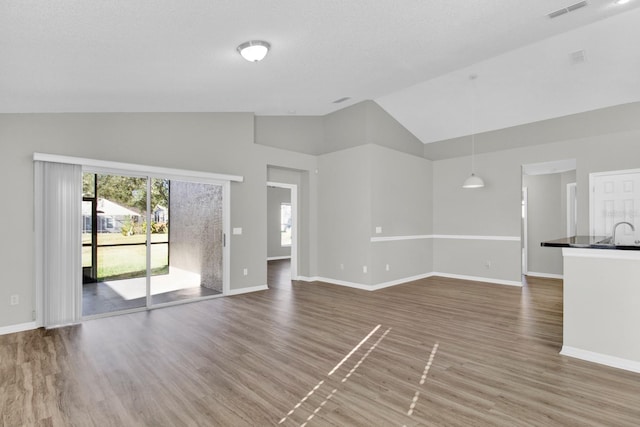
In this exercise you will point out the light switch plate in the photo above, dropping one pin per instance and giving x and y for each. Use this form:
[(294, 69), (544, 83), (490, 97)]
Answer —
[(237, 230)]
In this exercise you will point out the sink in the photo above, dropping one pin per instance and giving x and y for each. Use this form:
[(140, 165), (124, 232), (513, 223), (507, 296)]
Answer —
[(607, 244)]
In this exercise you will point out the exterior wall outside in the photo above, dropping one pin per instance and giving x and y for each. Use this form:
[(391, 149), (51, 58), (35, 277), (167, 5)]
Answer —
[(195, 231)]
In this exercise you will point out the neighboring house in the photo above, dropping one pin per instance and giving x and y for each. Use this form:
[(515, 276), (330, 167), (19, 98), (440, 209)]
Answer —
[(111, 216), (161, 214)]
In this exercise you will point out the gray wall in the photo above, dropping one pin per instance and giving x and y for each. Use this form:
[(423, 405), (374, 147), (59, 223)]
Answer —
[(402, 204), (547, 219), (303, 134), (275, 197), (384, 130), (353, 190), (495, 210), (345, 128), (370, 186), (344, 214), (211, 142), (359, 124)]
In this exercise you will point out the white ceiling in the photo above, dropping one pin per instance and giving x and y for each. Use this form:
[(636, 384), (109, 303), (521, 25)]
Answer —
[(179, 55)]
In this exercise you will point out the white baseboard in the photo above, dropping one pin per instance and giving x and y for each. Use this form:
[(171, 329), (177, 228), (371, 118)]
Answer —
[(478, 279), (544, 275), (407, 279), (401, 281), (247, 290), (276, 258), (362, 285), (355, 285), (11, 329), (603, 359)]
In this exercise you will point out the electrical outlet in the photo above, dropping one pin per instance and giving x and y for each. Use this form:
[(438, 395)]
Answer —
[(341, 266), (364, 268), (487, 264), (387, 267), (245, 271), (14, 300), (378, 230)]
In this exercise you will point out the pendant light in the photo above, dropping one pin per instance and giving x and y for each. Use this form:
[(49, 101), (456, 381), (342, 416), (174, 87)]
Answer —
[(473, 181)]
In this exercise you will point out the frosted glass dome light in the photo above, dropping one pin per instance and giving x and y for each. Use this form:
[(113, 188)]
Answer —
[(254, 50)]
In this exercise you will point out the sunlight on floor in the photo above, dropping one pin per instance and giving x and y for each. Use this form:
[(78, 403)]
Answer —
[(137, 288)]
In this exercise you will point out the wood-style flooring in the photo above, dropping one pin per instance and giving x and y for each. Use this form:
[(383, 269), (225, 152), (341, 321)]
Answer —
[(435, 352)]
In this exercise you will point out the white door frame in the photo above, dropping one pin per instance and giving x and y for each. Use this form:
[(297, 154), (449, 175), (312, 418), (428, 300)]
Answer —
[(525, 230), (294, 224), (572, 208)]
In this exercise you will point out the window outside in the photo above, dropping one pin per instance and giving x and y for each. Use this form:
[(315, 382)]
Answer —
[(285, 224)]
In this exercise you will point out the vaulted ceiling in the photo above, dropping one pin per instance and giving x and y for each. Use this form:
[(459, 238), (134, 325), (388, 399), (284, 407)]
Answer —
[(413, 57)]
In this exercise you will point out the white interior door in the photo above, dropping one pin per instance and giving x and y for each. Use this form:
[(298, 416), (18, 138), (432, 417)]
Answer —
[(615, 197)]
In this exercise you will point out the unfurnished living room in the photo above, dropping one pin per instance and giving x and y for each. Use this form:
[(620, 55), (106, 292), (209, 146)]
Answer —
[(330, 213)]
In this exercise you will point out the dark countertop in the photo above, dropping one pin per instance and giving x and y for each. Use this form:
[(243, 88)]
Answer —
[(587, 242)]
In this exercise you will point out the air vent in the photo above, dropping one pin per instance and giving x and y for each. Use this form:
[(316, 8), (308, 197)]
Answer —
[(577, 57), (567, 9), (338, 101)]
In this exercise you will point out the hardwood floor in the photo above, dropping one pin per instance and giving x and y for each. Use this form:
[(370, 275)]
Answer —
[(439, 352)]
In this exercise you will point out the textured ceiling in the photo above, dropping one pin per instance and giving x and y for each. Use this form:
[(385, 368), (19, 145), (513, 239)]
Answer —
[(179, 55)]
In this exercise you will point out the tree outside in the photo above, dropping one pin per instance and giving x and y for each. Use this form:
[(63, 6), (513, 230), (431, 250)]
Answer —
[(117, 259)]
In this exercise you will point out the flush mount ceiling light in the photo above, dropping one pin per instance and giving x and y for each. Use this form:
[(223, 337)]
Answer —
[(254, 50), (473, 181), (621, 1)]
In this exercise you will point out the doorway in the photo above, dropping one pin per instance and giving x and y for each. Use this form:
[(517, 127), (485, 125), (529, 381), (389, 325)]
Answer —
[(282, 226), (549, 201)]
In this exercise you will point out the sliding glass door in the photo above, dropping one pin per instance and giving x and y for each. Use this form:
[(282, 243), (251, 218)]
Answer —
[(193, 222), (149, 241)]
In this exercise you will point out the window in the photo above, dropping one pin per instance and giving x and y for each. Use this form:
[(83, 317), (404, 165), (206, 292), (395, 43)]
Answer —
[(285, 224)]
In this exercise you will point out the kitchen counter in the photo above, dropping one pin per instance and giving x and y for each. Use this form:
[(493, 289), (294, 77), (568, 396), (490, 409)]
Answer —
[(587, 242), (601, 294)]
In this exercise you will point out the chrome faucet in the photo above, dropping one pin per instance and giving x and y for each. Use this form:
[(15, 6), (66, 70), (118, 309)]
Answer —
[(613, 234)]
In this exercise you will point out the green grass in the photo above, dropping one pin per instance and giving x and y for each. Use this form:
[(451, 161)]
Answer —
[(125, 262), (118, 238)]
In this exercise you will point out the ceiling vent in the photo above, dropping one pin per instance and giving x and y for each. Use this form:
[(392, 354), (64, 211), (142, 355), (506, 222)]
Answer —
[(577, 57), (567, 9)]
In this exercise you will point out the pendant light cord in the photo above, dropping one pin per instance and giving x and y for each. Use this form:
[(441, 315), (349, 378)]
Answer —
[(473, 78)]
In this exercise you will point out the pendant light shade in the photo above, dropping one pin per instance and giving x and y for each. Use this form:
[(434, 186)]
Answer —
[(254, 50), (473, 181)]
